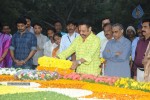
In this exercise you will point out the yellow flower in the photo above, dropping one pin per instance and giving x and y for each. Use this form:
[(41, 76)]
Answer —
[(134, 84), (102, 60), (14, 89), (54, 62)]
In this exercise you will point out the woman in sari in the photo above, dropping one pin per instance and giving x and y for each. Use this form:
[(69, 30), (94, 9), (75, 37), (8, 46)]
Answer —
[(5, 40)]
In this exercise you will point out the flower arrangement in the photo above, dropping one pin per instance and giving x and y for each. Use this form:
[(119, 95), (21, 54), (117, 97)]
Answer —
[(99, 91), (54, 62), (27, 74), (61, 71), (132, 84), (9, 71), (91, 78), (7, 78)]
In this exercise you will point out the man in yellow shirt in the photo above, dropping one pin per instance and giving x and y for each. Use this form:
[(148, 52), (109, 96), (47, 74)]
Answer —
[(87, 47)]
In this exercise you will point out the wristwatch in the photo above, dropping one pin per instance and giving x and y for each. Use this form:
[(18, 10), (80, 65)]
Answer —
[(79, 62)]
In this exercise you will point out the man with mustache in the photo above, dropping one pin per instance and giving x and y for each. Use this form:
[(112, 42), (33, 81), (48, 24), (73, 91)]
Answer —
[(87, 47), (50, 44), (68, 38), (117, 53), (140, 50), (108, 34), (28, 25), (23, 46)]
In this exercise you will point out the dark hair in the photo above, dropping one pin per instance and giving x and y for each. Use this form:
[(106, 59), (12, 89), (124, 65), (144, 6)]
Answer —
[(71, 22), (27, 17), (58, 34), (76, 23), (5, 24), (146, 20), (105, 19), (38, 24), (57, 21), (51, 28), (85, 22), (21, 20), (0, 26)]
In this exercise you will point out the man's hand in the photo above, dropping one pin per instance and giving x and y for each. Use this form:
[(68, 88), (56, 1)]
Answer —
[(75, 64), (19, 63)]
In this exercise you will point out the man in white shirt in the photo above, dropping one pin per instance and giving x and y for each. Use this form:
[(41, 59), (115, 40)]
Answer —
[(108, 34), (50, 45), (101, 34), (68, 38), (41, 40)]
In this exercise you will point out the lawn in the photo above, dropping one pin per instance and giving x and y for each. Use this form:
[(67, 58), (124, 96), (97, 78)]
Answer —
[(46, 95)]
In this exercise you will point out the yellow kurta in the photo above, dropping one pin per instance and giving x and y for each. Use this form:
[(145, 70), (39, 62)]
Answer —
[(88, 50)]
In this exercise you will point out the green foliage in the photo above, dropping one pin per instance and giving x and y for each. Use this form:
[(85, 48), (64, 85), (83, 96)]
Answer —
[(47, 11)]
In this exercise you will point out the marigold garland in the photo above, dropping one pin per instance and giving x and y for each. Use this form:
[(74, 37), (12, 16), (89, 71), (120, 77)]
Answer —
[(99, 91), (54, 62), (7, 78)]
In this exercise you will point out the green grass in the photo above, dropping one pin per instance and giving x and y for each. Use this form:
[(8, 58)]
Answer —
[(36, 96)]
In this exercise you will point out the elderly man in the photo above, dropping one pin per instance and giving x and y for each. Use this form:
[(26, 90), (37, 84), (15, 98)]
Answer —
[(87, 47), (116, 53)]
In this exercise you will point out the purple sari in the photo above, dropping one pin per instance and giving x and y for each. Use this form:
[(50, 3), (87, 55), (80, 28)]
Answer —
[(5, 41)]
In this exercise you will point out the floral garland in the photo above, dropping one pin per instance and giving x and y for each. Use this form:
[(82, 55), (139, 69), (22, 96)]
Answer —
[(99, 90), (132, 84), (27, 74), (9, 71), (92, 78), (54, 62), (59, 70), (7, 78)]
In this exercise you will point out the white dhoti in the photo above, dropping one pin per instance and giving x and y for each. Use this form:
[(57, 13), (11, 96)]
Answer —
[(140, 74)]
